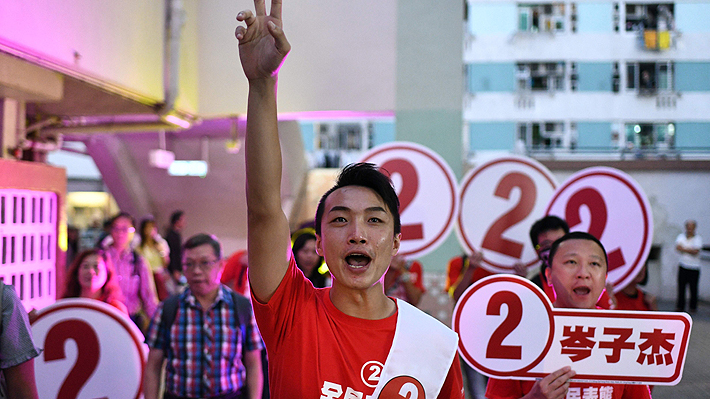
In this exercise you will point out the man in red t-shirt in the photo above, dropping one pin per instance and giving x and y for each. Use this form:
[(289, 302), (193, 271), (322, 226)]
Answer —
[(349, 340), (577, 272)]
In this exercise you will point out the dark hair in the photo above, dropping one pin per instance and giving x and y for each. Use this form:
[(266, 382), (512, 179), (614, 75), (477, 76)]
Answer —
[(202, 239), (300, 238), (548, 223), (175, 216), (123, 215), (364, 175), (110, 292), (145, 238), (576, 235)]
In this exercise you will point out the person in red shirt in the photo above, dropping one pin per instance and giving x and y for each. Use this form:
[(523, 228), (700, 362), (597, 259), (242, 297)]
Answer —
[(404, 280), (577, 273), (348, 340)]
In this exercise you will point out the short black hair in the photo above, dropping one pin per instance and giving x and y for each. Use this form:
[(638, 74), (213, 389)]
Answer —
[(175, 216), (576, 235), (548, 223), (123, 215), (202, 239), (369, 176)]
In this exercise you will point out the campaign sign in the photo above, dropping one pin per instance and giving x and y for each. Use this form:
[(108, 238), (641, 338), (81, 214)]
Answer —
[(509, 330), (500, 200), (427, 191), (611, 206), (91, 351)]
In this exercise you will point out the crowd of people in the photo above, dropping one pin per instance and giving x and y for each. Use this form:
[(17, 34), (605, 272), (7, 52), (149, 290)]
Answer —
[(316, 305)]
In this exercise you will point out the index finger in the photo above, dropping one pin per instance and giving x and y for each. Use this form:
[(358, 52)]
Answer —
[(276, 9), (260, 7)]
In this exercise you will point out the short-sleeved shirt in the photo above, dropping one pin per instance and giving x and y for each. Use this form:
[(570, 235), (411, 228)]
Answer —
[(687, 260), (397, 288), (16, 346), (456, 269), (204, 355), (317, 351)]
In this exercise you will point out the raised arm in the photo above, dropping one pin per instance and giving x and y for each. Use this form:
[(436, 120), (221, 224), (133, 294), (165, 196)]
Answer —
[(262, 49)]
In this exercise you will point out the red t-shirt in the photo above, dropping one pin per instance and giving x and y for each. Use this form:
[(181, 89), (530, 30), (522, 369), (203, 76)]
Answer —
[(317, 351), (516, 389), (625, 302), (456, 268)]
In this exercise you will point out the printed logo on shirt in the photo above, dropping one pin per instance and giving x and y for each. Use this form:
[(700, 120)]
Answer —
[(370, 373), (605, 392), (403, 387)]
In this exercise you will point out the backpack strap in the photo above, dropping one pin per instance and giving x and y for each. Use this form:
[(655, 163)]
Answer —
[(167, 319)]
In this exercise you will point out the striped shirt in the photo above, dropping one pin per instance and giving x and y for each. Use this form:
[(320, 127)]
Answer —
[(204, 355)]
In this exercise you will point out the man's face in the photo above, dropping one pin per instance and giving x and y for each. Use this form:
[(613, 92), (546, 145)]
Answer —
[(544, 242), (202, 269), (690, 228), (577, 273), (122, 231), (357, 237)]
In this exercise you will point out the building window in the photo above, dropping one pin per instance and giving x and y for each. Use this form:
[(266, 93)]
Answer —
[(648, 78), (650, 135), (340, 143), (542, 135), (540, 76), (546, 17), (649, 16)]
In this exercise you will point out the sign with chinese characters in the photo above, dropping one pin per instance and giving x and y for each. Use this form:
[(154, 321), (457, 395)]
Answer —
[(610, 205), (91, 350), (500, 200), (508, 329), (427, 191)]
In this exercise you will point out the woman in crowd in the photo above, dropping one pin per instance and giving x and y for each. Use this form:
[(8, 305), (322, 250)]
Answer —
[(92, 276), (154, 249), (304, 251)]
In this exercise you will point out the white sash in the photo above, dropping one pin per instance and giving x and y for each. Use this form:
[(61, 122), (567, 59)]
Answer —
[(422, 348)]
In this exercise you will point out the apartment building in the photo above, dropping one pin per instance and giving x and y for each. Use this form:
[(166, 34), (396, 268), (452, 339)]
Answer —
[(587, 79)]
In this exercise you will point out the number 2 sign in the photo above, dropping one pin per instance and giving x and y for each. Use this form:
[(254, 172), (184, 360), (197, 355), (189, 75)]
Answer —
[(500, 200), (611, 206), (508, 329), (427, 191), (91, 351)]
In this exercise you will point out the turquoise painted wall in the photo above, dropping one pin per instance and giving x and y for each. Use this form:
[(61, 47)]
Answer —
[(308, 135), (490, 77), (491, 18), (692, 76), (382, 132), (692, 134), (593, 134), (492, 136), (595, 76), (595, 17), (692, 17)]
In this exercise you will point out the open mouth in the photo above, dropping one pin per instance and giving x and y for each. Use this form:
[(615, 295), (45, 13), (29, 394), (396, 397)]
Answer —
[(357, 260), (582, 290)]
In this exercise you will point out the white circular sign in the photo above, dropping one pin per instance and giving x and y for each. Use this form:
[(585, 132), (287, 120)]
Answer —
[(427, 191), (91, 350), (505, 325), (500, 200), (611, 206)]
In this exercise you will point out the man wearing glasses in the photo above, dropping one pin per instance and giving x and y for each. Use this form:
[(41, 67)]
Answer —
[(206, 336)]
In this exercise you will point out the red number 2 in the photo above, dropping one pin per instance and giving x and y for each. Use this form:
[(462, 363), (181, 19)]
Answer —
[(598, 213), (87, 357), (494, 239), (410, 186), (496, 349)]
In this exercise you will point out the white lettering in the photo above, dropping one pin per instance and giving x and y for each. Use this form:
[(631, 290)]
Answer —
[(591, 393), (352, 394), (409, 389), (606, 392), (330, 390), (574, 393)]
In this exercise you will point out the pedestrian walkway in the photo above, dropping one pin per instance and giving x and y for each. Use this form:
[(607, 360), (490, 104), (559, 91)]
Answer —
[(695, 383)]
